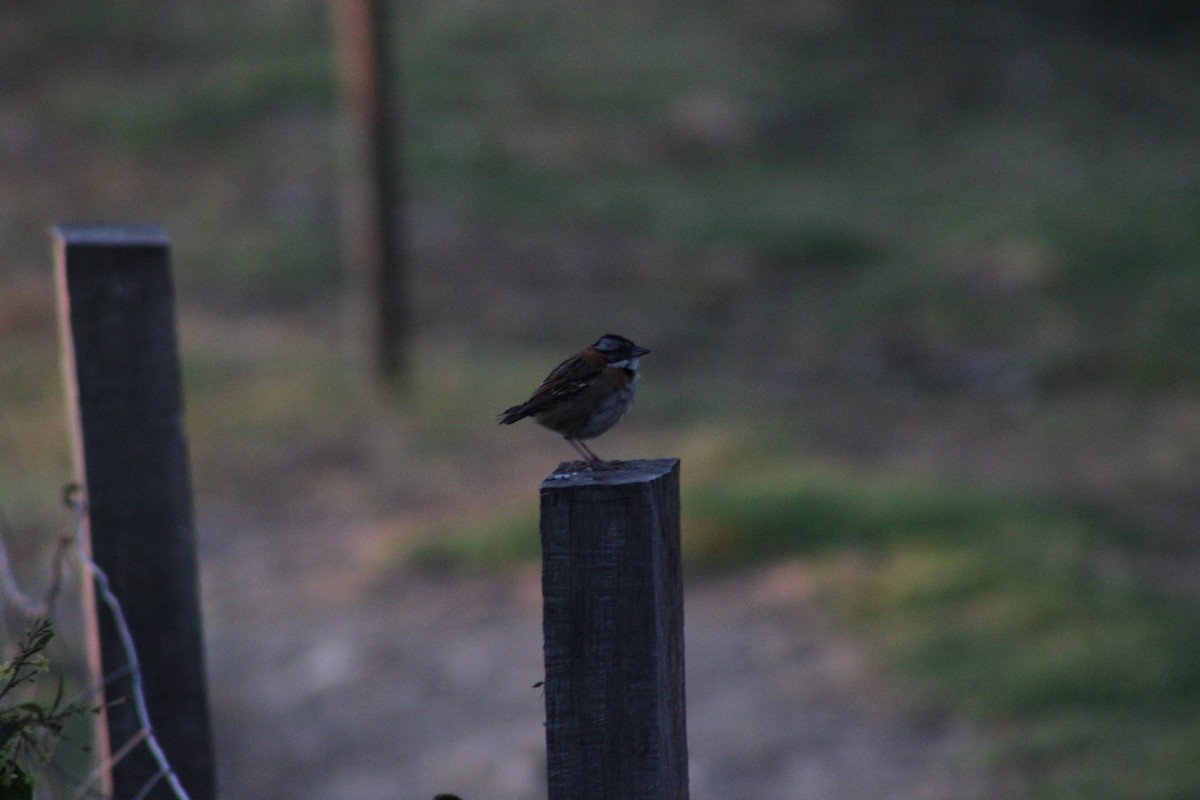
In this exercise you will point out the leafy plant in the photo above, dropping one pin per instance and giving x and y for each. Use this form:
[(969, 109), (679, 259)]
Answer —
[(29, 729)]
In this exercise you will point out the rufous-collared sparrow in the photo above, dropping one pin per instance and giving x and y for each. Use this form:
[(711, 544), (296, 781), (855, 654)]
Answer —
[(585, 395)]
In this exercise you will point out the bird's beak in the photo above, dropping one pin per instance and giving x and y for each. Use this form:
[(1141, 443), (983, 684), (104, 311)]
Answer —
[(638, 352)]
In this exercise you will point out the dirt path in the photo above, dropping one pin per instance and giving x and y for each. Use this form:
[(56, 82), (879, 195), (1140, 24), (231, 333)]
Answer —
[(329, 687)]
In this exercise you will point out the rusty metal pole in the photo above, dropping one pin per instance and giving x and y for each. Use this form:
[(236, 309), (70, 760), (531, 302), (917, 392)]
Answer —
[(373, 212)]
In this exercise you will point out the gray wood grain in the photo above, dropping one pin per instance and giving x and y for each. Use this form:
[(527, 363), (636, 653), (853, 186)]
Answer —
[(123, 383), (613, 626)]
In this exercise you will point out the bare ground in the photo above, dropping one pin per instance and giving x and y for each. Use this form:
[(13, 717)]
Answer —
[(326, 685)]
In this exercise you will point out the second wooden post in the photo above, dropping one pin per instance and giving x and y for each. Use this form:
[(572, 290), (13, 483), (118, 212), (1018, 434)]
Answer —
[(613, 623)]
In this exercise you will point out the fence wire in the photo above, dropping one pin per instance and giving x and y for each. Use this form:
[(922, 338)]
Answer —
[(24, 605)]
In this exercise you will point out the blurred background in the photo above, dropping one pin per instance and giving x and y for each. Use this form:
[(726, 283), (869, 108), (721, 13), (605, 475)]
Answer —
[(921, 286)]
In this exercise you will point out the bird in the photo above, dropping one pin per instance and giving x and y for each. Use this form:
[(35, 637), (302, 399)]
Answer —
[(585, 395)]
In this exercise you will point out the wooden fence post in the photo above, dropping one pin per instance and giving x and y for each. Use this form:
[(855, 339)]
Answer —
[(613, 623), (116, 309)]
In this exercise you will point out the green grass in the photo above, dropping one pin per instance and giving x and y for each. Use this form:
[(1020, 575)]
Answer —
[(997, 607), (847, 141), (1094, 682), (476, 544), (35, 465), (999, 147), (165, 78)]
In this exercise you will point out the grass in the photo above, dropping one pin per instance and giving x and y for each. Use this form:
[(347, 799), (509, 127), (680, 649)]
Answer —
[(998, 606), (33, 438), (478, 544), (187, 79), (1016, 152), (856, 142), (1091, 678)]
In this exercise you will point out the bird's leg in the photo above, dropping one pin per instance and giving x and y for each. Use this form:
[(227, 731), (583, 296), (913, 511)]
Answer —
[(583, 450), (595, 459)]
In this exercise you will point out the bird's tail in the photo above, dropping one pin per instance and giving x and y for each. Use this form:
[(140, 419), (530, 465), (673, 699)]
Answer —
[(513, 414)]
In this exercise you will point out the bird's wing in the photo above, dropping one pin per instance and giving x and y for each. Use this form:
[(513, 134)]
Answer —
[(570, 377)]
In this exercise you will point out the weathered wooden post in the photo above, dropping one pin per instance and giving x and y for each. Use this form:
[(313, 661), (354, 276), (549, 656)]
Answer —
[(116, 309), (613, 623)]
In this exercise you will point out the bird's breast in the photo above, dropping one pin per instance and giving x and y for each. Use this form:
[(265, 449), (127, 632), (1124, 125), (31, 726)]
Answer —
[(622, 377)]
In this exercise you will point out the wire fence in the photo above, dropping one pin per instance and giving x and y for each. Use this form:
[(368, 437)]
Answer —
[(20, 604)]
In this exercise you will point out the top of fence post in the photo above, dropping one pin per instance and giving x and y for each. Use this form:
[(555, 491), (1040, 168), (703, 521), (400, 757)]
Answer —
[(111, 235)]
